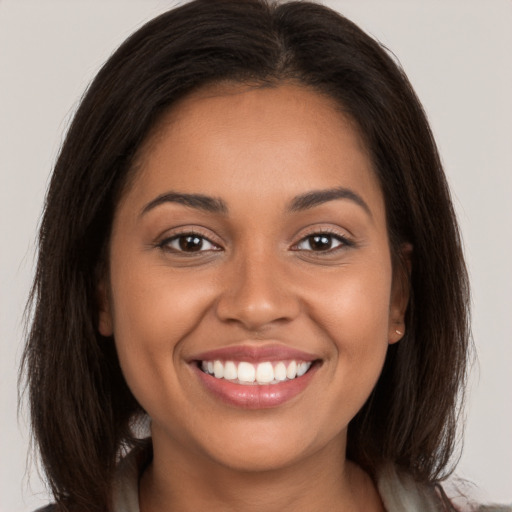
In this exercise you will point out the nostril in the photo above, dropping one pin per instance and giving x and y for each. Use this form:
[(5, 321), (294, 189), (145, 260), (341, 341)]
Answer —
[(255, 312)]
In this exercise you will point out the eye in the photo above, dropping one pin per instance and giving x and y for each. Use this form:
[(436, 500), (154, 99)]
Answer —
[(321, 242), (188, 243)]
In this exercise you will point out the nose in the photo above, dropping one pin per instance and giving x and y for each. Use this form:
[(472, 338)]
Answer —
[(257, 292)]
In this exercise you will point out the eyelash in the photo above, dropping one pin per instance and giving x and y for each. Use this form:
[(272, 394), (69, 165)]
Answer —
[(165, 244), (344, 243)]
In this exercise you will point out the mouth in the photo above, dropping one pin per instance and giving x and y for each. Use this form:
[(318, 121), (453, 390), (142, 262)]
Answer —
[(246, 373), (255, 377)]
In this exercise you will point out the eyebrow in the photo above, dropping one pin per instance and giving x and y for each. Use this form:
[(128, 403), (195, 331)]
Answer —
[(299, 203), (318, 197), (198, 201)]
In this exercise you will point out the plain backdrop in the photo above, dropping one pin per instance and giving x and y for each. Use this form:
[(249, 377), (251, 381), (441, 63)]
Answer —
[(457, 54)]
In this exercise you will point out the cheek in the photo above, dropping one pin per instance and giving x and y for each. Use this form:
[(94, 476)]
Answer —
[(353, 311), (354, 305), (151, 315), (147, 302)]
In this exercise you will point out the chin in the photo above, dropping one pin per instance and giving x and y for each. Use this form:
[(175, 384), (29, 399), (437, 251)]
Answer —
[(264, 448), (258, 459)]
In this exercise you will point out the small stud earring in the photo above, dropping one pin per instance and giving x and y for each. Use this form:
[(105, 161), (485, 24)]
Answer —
[(398, 332)]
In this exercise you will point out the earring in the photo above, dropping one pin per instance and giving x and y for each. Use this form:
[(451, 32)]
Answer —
[(398, 332)]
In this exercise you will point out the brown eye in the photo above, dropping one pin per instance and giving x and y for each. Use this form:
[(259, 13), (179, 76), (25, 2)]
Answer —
[(320, 242), (188, 243)]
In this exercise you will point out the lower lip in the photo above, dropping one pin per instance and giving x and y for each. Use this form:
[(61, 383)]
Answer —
[(256, 396)]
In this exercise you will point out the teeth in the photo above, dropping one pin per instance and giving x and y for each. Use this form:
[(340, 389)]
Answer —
[(230, 371), (262, 373), (280, 372), (218, 369), (302, 369), (265, 373), (246, 372), (291, 371)]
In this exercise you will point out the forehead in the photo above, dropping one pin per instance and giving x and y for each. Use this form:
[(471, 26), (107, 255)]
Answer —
[(271, 142)]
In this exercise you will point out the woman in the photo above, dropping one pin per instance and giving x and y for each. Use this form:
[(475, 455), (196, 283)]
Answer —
[(247, 239)]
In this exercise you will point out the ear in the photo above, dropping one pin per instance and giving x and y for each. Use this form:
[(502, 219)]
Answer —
[(400, 292), (105, 324)]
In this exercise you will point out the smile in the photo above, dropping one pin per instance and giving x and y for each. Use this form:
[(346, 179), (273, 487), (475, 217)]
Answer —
[(246, 373), (255, 376)]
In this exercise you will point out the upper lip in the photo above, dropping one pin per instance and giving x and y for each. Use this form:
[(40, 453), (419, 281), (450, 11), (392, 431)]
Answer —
[(255, 354)]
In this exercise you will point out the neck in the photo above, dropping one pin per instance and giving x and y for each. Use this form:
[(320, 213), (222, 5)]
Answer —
[(322, 481)]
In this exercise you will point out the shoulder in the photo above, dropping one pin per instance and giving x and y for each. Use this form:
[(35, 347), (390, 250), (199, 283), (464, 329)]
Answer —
[(495, 508), (125, 491), (401, 493), (125, 496)]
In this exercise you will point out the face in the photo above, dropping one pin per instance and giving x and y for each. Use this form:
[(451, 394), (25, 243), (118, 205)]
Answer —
[(251, 293)]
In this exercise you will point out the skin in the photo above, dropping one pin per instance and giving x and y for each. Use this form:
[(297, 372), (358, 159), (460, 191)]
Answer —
[(256, 281)]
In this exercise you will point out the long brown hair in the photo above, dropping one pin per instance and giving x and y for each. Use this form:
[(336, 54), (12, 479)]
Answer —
[(81, 407)]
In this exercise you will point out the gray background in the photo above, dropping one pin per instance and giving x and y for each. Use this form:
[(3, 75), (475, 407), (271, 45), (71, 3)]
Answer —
[(457, 54)]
